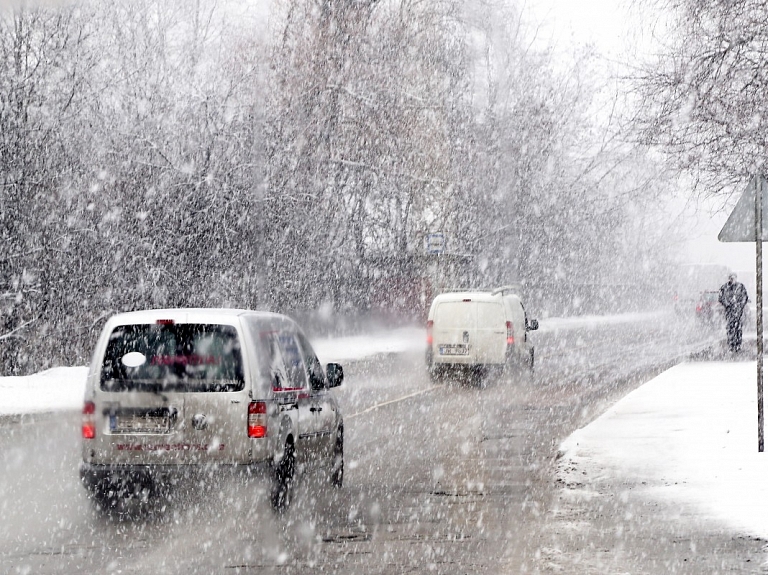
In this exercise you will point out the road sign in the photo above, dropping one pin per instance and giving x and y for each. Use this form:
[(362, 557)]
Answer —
[(435, 243), (747, 224), (740, 226)]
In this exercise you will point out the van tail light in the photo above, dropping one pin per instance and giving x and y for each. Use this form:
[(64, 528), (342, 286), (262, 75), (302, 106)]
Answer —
[(257, 419), (89, 424), (510, 334), (430, 323)]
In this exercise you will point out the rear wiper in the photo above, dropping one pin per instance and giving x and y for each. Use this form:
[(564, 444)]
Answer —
[(157, 390)]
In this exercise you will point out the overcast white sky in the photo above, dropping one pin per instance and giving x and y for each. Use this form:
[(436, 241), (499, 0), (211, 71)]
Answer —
[(565, 22)]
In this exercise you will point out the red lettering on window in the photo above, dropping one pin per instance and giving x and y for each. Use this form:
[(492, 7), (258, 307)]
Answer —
[(193, 360)]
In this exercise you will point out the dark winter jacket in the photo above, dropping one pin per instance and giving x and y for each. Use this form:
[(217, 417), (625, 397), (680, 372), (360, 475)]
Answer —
[(733, 296)]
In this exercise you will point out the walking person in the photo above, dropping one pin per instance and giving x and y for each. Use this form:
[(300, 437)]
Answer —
[(734, 298)]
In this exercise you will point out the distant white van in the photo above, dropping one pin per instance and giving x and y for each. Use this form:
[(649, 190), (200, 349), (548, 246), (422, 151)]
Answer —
[(480, 330)]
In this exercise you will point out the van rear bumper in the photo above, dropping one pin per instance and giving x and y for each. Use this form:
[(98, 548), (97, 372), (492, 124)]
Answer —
[(104, 478), (463, 360)]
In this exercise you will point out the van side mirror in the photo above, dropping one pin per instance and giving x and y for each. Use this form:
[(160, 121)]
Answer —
[(533, 325), (335, 374)]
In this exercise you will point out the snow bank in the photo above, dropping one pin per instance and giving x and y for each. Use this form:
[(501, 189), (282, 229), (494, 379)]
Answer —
[(362, 346), (60, 388), (594, 321), (63, 387)]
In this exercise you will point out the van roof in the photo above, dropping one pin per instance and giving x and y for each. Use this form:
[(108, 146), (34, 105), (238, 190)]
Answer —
[(473, 295)]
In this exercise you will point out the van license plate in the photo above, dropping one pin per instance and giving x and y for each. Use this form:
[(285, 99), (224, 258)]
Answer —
[(454, 349), (137, 423)]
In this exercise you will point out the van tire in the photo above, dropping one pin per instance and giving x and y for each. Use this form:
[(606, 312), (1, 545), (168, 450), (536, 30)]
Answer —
[(436, 373), (337, 460), (104, 499), (530, 364), (283, 479)]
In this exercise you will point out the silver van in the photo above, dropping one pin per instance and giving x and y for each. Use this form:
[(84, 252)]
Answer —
[(478, 330), (202, 390)]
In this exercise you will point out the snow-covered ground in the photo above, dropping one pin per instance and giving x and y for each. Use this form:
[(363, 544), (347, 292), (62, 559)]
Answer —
[(595, 321), (689, 433), (60, 388)]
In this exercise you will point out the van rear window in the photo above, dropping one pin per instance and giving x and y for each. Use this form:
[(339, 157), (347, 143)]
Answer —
[(173, 357)]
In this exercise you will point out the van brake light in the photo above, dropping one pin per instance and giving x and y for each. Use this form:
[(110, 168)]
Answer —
[(430, 323), (257, 419), (510, 334), (89, 425)]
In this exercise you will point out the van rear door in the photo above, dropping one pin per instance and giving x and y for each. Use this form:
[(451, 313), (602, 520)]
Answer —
[(469, 331), (491, 332), (453, 329), (173, 393)]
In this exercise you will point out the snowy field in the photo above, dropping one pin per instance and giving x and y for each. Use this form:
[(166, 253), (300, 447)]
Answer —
[(690, 433)]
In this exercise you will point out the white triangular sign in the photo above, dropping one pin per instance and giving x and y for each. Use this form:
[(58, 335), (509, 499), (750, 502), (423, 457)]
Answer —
[(740, 226)]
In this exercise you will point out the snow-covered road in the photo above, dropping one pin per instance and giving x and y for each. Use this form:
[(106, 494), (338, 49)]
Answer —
[(687, 435)]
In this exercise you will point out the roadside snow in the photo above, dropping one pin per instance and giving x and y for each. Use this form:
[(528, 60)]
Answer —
[(414, 338), (63, 388), (689, 434), (362, 346), (57, 389), (595, 321)]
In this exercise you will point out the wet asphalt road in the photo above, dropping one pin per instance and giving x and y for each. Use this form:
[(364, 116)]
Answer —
[(449, 478)]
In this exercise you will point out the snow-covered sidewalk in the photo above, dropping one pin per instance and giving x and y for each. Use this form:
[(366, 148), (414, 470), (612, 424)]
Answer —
[(688, 435)]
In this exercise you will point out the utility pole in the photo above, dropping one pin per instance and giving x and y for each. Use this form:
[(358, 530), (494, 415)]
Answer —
[(759, 184)]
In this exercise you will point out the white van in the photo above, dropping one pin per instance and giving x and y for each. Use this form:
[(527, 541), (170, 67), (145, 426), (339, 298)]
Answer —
[(482, 330), (205, 390)]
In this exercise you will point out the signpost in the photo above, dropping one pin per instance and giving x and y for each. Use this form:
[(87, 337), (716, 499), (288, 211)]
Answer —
[(435, 243), (745, 224)]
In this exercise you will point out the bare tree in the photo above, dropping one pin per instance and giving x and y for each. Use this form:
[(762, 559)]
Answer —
[(131, 131), (44, 62), (364, 119), (703, 96)]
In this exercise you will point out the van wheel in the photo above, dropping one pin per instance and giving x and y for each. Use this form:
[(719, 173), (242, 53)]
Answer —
[(436, 373), (284, 476), (104, 499), (511, 368), (337, 460), (530, 365)]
